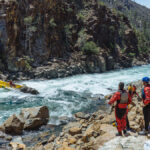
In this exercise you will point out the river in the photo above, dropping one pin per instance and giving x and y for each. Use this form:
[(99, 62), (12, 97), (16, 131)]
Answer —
[(66, 96)]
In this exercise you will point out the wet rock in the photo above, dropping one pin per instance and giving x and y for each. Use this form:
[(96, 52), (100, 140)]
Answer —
[(64, 120), (13, 125), (2, 77), (26, 89), (8, 138), (82, 115), (17, 144), (35, 117), (74, 130)]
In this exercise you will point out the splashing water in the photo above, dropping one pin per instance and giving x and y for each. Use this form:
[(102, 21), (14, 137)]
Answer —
[(68, 95)]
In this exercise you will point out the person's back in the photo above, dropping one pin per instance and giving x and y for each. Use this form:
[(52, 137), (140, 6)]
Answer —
[(146, 108), (146, 98), (123, 99)]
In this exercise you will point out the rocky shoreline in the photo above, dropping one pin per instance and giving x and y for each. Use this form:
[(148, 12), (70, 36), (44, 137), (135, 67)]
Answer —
[(57, 68), (89, 131)]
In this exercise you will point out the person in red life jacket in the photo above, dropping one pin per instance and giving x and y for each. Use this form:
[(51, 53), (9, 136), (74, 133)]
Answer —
[(146, 107), (11, 84), (135, 92), (123, 98)]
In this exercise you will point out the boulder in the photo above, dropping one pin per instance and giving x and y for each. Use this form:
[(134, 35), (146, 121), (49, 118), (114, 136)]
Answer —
[(49, 146), (91, 130), (72, 140), (66, 148), (35, 117), (75, 130), (13, 125), (26, 89), (82, 115), (17, 144)]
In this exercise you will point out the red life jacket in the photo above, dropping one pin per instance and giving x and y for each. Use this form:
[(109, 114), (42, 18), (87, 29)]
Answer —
[(124, 99), (134, 88), (147, 95)]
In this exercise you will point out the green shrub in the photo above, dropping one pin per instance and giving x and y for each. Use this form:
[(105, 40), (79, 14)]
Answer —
[(82, 15), (90, 48), (101, 3), (28, 20), (131, 54), (52, 23)]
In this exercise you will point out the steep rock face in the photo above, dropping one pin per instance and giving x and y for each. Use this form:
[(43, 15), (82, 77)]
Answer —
[(36, 31)]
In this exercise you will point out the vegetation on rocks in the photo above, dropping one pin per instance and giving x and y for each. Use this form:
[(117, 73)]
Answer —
[(139, 17), (67, 31)]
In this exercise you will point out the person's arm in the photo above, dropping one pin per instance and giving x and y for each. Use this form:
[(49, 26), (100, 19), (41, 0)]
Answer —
[(143, 94), (129, 98), (114, 98)]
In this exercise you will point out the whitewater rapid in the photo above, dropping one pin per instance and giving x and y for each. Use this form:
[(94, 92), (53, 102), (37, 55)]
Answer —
[(68, 95)]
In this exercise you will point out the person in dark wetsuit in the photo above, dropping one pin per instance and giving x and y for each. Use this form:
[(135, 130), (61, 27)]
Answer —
[(146, 107)]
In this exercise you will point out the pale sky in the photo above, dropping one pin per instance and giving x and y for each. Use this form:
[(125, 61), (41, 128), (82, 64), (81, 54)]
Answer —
[(143, 2)]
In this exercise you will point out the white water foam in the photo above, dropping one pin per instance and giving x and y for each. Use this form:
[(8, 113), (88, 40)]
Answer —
[(68, 95)]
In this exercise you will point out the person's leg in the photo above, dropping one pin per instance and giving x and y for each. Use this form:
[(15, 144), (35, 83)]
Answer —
[(144, 132), (146, 117), (127, 122), (119, 123)]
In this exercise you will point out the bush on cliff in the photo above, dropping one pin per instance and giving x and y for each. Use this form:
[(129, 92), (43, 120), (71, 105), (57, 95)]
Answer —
[(90, 48)]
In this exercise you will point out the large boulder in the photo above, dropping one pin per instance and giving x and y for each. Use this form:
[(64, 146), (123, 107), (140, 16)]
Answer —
[(13, 125), (26, 89), (35, 117)]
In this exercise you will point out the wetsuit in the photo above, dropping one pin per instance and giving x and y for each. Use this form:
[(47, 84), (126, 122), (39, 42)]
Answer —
[(146, 108), (121, 109)]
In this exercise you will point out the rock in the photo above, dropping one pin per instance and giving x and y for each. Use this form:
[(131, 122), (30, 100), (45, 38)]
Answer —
[(64, 120), (8, 138), (108, 119), (110, 63), (52, 138), (26, 89), (17, 144), (3, 77), (74, 130), (93, 128), (66, 148), (49, 146), (2, 134), (13, 125), (131, 142), (82, 115), (109, 133), (35, 117), (2, 67), (72, 140), (38, 147)]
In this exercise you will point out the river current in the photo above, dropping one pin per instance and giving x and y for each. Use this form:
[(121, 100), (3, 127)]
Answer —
[(66, 96)]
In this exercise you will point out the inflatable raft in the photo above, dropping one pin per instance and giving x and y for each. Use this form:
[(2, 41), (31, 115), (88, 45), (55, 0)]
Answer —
[(7, 85)]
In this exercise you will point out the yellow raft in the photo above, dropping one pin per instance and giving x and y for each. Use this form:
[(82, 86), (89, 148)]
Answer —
[(7, 85)]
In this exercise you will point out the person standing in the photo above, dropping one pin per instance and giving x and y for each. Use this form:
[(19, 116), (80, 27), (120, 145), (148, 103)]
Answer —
[(146, 107), (123, 98)]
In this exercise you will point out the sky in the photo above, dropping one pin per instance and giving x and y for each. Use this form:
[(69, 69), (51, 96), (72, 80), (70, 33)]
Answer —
[(143, 2)]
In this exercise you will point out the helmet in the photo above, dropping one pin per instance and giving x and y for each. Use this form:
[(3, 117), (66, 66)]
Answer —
[(145, 79)]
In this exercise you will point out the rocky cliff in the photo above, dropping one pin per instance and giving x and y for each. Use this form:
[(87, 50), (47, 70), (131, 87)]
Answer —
[(84, 35)]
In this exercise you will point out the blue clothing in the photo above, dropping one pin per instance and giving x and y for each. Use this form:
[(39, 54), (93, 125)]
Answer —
[(143, 94)]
